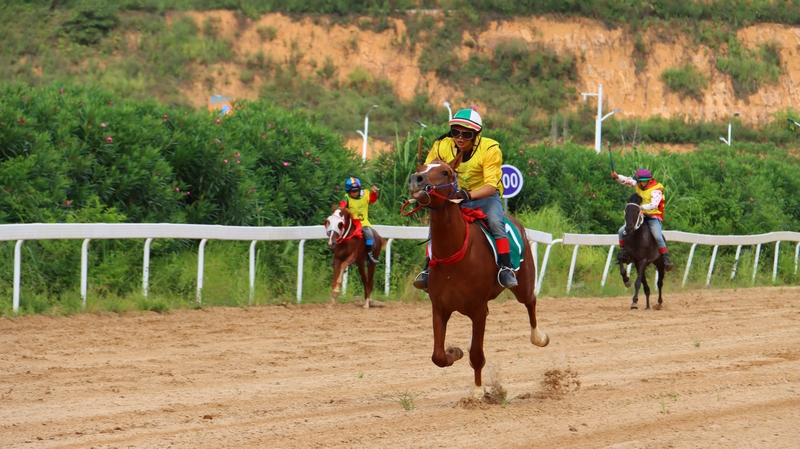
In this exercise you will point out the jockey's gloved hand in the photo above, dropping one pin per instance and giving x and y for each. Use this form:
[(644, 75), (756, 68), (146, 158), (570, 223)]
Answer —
[(464, 195)]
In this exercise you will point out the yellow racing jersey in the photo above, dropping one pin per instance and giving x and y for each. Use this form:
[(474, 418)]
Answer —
[(482, 168), (359, 207)]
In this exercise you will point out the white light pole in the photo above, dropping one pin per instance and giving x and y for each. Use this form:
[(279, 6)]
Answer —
[(422, 125), (449, 111), (598, 127), (729, 130), (365, 133)]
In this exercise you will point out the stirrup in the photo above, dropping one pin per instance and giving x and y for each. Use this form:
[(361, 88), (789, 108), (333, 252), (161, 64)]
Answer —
[(421, 281), (512, 278)]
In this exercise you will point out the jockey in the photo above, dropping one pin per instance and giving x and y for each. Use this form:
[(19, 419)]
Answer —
[(652, 193), (358, 204), (480, 179)]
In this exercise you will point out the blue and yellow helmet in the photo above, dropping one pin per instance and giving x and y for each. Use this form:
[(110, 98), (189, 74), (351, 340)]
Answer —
[(352, 184)]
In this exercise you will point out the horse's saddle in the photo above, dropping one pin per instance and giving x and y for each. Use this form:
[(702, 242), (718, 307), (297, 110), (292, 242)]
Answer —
[(514, 242)]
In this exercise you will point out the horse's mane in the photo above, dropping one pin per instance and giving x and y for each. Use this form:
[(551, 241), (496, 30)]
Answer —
[(635, 199)]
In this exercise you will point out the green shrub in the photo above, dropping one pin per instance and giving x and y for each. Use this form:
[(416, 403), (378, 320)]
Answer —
[(686, 81), (90, 22)]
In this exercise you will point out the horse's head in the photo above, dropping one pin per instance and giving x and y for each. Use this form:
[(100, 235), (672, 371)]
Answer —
[(435, 183), (337, 225), (633, 213)]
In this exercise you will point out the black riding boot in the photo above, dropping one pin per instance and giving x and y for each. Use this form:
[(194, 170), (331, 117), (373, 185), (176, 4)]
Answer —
[(669, 265), (621, 256), (370, 257), (421, 281), (506, 276)]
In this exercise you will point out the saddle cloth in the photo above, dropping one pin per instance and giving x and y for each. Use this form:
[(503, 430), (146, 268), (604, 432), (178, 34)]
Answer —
[(514, 242)]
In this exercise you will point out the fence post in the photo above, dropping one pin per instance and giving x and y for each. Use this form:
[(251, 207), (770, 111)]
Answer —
[(200, 264), (146, 266), (84, 270), (755, 264), (572, 267), (608, 265), (252, 271), (775, 264), (796, 253), (736, 261), (544, 265), (300, 270), (711, 265), (688, 265), (18, 268), (388, 266)]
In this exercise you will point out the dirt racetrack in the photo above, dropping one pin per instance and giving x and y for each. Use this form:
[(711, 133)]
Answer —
[(716, 368)]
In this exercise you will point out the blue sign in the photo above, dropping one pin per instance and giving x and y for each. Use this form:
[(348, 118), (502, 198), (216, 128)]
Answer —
[(512, 181)]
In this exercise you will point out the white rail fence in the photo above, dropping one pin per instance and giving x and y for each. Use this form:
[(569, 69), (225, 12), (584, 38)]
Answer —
[(695, 239), (98, 231)]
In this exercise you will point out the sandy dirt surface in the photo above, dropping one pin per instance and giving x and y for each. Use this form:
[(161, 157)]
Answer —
[(715, 368)]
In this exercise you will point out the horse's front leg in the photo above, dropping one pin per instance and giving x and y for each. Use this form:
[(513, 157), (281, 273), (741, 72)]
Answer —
[(477, 359), (623, 271), (443, 357), (659, 284), (336, 284), (636, 286), (646, 290)]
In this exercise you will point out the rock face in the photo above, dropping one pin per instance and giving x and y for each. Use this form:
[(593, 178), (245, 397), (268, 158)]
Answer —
[(604, 56)]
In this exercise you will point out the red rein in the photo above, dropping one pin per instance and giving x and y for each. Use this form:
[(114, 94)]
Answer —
[(469, 216)]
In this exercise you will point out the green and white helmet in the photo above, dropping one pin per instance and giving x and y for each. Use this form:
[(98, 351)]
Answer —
[(468, 118)]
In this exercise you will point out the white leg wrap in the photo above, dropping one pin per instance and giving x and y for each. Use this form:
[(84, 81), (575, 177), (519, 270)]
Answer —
[(539, 338)]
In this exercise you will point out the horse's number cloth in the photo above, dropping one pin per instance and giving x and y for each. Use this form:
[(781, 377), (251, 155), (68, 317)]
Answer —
[(514, 242)]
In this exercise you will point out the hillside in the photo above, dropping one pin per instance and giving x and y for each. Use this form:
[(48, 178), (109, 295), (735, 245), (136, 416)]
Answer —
[(675, 81), (603, 56)]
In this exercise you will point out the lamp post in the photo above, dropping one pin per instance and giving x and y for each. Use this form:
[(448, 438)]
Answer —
[(422, 125), (598, 123), (365, 133), (729, 130), (449, 111)]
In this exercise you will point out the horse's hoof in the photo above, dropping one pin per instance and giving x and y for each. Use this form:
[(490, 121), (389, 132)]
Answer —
[(657, 306), (634, 305), (477, 392), (628, 284), (647, 308), (366, 303), (539, 338), (454, 351)]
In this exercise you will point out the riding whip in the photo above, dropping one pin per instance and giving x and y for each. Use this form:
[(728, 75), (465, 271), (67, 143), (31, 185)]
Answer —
[(419, 151)]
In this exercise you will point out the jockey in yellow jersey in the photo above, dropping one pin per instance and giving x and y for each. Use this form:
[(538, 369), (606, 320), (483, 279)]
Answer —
[(480, 180), (358, 201), (652, 193)]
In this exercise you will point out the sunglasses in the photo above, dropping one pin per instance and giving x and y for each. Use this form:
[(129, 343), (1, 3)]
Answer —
[(466, 135)]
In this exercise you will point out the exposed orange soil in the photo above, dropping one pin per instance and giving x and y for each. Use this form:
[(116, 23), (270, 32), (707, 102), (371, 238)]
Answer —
[(716, 368), (603, 56)]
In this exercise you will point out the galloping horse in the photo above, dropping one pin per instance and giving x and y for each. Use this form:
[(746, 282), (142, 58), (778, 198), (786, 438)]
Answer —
[(344, 238), (642, 250), (464, 279)]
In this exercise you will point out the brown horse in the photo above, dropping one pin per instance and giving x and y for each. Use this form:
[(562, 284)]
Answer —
[(349, 248), (465, 279), (641, 250)]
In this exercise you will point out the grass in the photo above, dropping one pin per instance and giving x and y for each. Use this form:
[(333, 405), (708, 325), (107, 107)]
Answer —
[(686, 81), (404, 398)]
